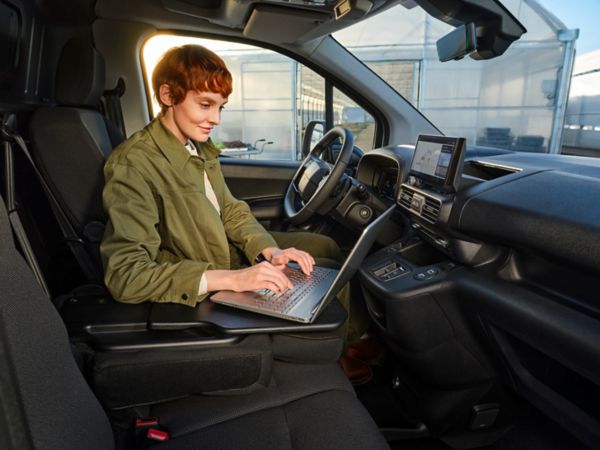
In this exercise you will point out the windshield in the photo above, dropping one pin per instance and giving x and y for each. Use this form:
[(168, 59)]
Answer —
[(516, 101)]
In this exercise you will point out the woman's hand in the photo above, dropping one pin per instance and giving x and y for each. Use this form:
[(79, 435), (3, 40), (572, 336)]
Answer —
[(261, 276), (265, 275), (280, 257)]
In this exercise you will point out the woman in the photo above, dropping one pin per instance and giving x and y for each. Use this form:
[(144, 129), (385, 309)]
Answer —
[(174, 230)]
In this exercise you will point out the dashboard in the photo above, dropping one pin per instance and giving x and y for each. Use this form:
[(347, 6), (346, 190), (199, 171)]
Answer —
[(386, 182), (521, 199), (508, 260)]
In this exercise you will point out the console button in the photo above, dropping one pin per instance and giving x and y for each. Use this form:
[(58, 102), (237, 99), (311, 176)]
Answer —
[(448, 265), (365, 212), (421, 276)]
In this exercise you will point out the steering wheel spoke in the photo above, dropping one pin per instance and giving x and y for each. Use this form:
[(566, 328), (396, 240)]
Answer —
[(316, 179), (295, 187)]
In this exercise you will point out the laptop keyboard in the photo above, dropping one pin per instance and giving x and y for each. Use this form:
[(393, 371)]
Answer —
[(283, 302)]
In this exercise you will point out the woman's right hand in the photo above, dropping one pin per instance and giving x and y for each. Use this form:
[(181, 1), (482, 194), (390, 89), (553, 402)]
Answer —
[(260, 276)]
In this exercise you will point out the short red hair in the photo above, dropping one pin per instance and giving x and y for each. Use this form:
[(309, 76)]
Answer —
[(190, 68)]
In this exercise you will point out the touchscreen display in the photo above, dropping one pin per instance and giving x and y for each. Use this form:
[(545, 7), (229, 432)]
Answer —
[(437, 161), (433, 158)]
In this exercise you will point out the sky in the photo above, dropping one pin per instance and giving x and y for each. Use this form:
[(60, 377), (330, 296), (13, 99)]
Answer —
[(582, 14)]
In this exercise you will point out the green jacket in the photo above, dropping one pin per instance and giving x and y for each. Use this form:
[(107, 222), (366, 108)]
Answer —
[(162, 231)]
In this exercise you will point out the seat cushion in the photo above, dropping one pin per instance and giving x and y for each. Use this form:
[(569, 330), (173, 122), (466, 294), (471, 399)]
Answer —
[(306, 406), (328, 420)]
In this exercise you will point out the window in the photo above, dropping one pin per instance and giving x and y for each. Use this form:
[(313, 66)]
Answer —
[(348, 114), (508, 102), (274, 97)]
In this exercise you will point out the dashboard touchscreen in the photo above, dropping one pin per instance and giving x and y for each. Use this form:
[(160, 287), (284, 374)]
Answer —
[(437, 160)]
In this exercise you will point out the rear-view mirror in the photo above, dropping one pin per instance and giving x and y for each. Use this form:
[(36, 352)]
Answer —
[(458, 43)]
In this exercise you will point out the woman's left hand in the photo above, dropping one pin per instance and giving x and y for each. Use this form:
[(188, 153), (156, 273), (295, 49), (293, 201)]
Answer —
[(280, 257)]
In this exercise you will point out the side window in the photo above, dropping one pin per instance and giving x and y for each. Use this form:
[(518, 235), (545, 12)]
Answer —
[(274, 97), (348, 114)]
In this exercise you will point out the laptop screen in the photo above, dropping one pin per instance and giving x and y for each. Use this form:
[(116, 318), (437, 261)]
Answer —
[(356, 257)]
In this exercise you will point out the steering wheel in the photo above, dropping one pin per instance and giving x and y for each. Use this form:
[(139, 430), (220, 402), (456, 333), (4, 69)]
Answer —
[(316, 179)]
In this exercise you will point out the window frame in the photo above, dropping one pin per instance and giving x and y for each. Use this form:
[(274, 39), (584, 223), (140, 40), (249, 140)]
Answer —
[(381, 135)]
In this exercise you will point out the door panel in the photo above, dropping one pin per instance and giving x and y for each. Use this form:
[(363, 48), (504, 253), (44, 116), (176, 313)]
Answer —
[(546, 344), (262, 184)]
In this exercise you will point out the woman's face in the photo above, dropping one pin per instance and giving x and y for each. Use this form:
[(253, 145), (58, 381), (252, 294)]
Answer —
[(196, 116)]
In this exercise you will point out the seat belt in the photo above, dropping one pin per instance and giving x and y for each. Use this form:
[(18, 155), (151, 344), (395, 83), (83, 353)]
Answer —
[(112, 106), (74, 241), (15, 219)]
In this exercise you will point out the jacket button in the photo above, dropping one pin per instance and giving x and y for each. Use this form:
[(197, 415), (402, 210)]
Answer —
[(184, 296)]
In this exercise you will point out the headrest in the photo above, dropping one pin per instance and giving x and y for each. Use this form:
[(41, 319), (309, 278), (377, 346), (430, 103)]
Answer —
[(80, 74)]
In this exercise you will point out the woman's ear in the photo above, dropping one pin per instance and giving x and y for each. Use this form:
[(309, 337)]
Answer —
[(164, 93)]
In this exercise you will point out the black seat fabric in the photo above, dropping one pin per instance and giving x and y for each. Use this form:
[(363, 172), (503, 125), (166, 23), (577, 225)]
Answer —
[(58, 408), (305, 406), (72, 140), (308, 406)]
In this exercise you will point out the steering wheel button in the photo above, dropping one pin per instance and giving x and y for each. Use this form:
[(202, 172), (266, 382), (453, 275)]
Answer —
[(420, 276)]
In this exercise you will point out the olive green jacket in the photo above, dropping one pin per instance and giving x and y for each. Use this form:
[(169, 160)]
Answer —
[(162, 231)]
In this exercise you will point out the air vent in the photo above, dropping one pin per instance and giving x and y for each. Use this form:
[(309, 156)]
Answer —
[(406, 197), (431, 209)]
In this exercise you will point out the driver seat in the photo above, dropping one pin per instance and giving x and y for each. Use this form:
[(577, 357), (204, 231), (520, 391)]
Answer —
[(46, 402), (70, 144)]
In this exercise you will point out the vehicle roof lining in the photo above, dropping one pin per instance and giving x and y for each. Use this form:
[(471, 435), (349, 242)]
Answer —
[(276, 21)]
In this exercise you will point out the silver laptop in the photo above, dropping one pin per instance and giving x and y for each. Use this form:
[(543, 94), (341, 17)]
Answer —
[(310, 294)]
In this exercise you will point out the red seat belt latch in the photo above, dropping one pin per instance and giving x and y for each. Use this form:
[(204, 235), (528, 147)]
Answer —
[(145, 423), (157, 435)]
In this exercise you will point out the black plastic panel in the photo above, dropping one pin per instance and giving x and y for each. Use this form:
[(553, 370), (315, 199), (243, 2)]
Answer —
[(236, 321), (551, 212), (562, 333)]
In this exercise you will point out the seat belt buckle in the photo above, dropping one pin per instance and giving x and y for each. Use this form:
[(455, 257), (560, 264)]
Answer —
[(148, 432), (157, 435), (145, 423)]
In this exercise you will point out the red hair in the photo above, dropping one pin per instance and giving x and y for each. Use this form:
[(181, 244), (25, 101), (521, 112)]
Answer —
[(190, 68)]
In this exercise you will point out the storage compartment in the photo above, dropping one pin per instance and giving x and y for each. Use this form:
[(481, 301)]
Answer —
[(487, 171), (422, 254)]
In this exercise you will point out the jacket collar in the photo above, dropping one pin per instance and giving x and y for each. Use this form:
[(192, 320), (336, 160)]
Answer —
[(174, 150)]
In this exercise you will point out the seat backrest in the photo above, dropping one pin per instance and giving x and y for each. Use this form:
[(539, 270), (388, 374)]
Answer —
[(72, 140), (50, 405)]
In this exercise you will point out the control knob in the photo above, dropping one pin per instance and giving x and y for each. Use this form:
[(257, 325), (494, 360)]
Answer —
[(362, 192), (414, 181)]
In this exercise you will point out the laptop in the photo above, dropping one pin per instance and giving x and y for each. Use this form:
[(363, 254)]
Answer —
[(310, 294)]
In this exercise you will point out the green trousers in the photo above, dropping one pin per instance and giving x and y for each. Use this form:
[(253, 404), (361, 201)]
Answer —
[(327, 254)]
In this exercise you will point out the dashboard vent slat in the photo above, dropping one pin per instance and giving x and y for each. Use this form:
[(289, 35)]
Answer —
[(406, 198), (431, 209), (423, 205)]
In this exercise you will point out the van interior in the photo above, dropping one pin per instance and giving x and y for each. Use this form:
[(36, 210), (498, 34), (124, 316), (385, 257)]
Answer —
[(482, 288)]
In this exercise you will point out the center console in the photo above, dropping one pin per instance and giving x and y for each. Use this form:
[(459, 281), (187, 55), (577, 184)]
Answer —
[(434, 177), (409, 268), (428, 195), (411, 295), (400, 271)]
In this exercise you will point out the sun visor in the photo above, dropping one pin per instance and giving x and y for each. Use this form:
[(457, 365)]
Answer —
[(282, 25)]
